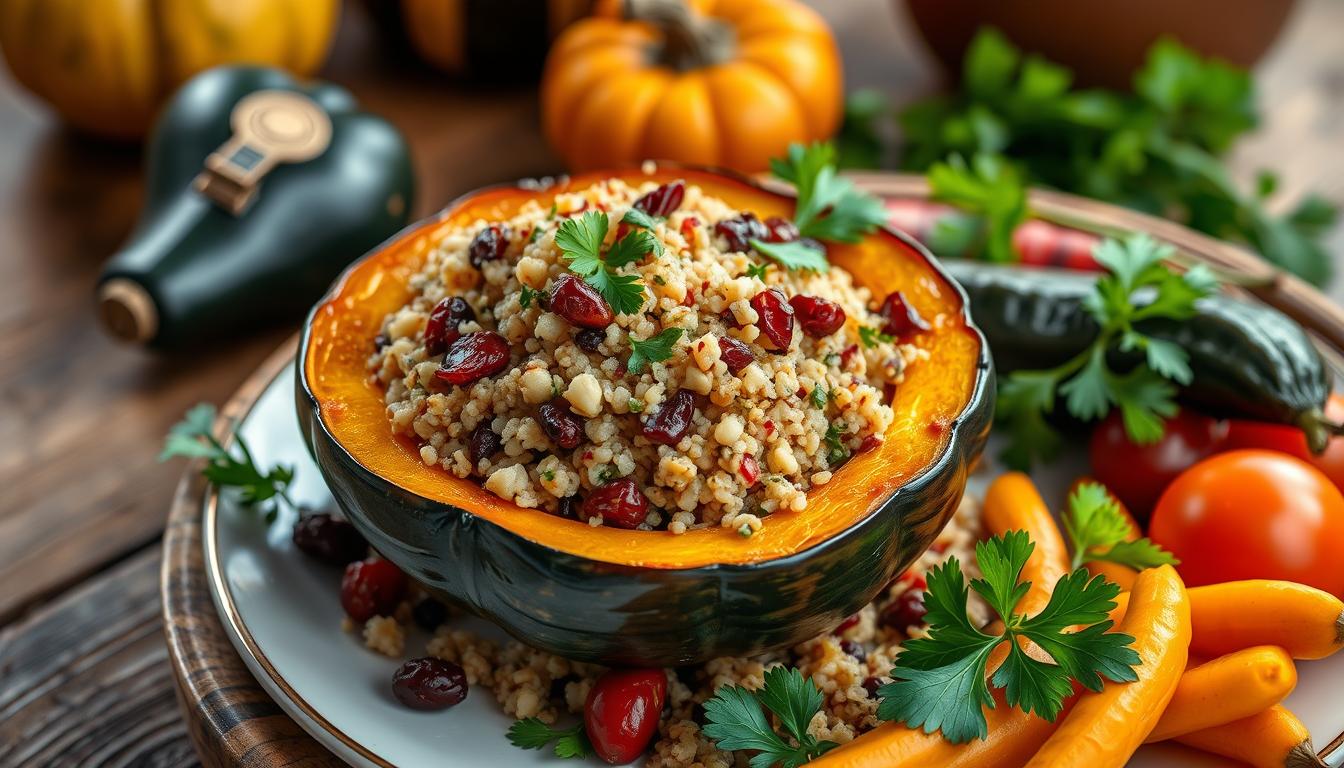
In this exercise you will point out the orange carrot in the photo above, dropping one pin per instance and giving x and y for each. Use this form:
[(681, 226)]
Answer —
[(1227, 688), (1274, 738)]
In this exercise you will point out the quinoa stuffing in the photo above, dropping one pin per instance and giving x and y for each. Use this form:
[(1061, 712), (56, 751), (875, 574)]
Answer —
[(630, 358), (847, 664)]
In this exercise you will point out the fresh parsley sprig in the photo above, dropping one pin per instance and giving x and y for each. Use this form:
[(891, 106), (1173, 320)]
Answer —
[(829, 207), (531, 733), (1138, 287), (735, 720), (655, 349), (939, 682), (1098, 530), (580, 241), (194, 438)]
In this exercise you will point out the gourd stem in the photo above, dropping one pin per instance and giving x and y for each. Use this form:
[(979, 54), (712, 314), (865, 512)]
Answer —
[(1318, 430), (689, 41)]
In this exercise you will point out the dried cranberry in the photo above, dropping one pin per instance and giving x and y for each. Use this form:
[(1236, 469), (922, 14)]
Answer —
[(774, 317), (579, 303), (740, 231), (749, 469), (441, 328), (672, 421), (429, 614), (818, 317), (430, 683), (906, 611), (735, 353), (483, 443), (622, 711), (901, 319), (488, 244), (561, 424), (870, 685), (848, 354), (570, 507), (619, 503), (729, 319), (472, 357), (852, 621), (854, 649), (329, 539), (663, 200), (869, 443), (589, 339), (371, 588), (780, 230)]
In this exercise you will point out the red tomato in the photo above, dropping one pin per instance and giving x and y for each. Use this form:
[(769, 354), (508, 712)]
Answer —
[(1137, 474), (1278, 437), (622, 711), (1254, 514)]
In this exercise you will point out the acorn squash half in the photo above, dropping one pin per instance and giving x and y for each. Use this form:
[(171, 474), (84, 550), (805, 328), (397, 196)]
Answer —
[(645, 598)]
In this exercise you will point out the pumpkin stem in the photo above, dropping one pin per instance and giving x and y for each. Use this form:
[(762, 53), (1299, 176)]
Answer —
[(689, 41)]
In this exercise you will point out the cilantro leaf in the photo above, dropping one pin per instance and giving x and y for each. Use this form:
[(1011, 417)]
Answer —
[(1098, 530), (531, 733), (797, 254), (194, 438), (829, 206), (940, 681), (735, 720), (652, 350)]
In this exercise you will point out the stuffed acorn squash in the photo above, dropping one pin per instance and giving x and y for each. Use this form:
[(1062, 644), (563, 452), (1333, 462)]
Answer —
[(604, 592)]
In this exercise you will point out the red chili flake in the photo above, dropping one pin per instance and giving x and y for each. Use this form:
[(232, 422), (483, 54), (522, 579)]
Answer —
[(914, 580), (689, 301), (802, 392), (937, 426), (688, 227), (769, 427), (587, 455), (749, 469), (869, 443)]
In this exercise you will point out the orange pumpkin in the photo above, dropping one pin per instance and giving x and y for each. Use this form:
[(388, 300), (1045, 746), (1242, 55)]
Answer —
[(719, 82)]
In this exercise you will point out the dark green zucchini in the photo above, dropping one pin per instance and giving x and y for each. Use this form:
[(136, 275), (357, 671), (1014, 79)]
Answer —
[(1249, 360)]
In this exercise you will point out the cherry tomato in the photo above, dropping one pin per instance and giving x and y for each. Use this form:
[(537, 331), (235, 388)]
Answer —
[(622, 711), (1254, 514), (1289, 440), (1137, 474)]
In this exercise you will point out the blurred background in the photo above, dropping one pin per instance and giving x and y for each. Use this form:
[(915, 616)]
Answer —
[(1233, 124)]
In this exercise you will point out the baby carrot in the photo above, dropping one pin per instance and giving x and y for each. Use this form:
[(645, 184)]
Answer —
[(1227, 688), (1275, 738), (1306, 622)]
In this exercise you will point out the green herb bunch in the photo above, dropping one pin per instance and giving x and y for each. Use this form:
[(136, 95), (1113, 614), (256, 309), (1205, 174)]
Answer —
[(1018, 120), (194, 438)]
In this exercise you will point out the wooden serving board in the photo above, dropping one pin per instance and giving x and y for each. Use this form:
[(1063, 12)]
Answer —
[(233, 722)]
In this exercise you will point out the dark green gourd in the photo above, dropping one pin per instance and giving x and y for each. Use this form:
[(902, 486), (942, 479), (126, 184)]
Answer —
[(260, 190), (1249, 360)]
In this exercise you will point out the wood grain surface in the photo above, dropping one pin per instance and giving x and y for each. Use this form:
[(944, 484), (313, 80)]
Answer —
[(82, 498)]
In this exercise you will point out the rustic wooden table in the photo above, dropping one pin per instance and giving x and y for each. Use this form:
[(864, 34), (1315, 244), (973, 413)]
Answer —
[(82, 499)]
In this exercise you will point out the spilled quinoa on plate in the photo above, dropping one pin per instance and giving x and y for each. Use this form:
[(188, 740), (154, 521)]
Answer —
[(847, 664), (631, 357)]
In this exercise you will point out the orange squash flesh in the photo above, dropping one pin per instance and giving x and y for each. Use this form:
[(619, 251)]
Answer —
[(933, 395)]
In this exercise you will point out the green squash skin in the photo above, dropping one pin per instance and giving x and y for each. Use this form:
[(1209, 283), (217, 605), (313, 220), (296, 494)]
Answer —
[(212, 275), (1249, 360), (622, 615)]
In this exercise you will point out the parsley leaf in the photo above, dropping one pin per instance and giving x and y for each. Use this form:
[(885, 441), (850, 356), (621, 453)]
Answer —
[(942, 683), (871, 337), (652, 350), (796, 254), (989, 188), (818, 397), (525, 296), (531, 733), (194, 438), (637, 218), (836, 452), (1155, 147), (735, 720), (1098, 530), (580, 242), (757, 270), (1138, 287), (829, 206)]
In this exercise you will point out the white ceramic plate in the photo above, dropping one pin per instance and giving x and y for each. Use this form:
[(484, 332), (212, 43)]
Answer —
[(282, 613)]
